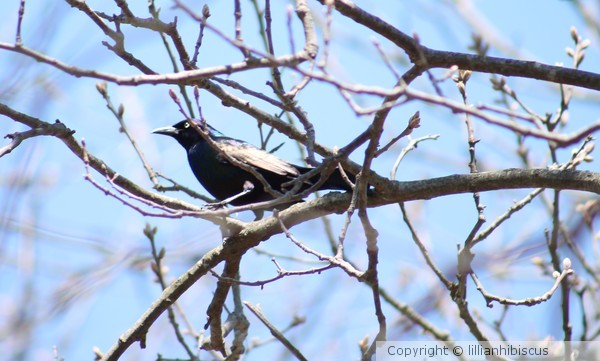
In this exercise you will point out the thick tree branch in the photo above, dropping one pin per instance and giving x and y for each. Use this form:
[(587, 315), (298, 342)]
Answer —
[(256, 232), (371, 190), (252, 234), (427, 58)]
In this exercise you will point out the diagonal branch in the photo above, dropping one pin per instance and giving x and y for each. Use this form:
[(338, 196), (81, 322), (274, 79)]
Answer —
[(427, 58)]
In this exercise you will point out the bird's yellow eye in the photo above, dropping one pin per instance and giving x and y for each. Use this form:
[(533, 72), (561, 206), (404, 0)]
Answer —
[(186, 125)]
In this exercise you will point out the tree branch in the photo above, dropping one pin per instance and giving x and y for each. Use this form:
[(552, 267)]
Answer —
[(427, 58)]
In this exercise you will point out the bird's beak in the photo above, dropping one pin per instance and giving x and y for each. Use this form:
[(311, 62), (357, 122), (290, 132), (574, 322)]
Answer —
[(171, 131)]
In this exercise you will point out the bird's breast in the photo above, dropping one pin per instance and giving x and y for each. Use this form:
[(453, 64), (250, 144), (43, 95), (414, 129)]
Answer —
[(219, 177)]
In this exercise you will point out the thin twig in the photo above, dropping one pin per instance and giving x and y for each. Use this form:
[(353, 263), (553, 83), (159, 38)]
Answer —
[(57, 129), (237, 14), (412, 145), (159, 270), (424, 250), (532, 301), (338, 262), (385, 58), (21, 13), (413, 123), (281, 273), (178, 187), (205, 16), (275, 332), (119, 113), (235, 85)]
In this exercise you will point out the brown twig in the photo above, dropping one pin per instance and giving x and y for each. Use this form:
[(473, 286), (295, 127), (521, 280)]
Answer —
[(21, 13), (281, 273), (159, 270), (445, 59), (532, 301), (116, 35), (413, 123), (119, 113), (178, 187), (338, 262), (237, 14), (275, 332), (57, 129), (239, 321), (360, 192), (215, 309), (445, 281), (412, 145)]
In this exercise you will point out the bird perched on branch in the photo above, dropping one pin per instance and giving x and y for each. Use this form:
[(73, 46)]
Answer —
[(230, 169)]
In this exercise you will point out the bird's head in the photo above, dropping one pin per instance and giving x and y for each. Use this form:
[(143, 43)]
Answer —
[(185, 133)]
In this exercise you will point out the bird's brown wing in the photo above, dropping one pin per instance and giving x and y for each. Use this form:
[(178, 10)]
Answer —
[(258, 158)]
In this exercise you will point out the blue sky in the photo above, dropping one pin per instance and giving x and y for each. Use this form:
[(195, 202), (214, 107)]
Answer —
[(85, 247)]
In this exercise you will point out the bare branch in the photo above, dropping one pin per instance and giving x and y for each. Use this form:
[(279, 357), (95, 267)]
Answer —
[(18, 39), (275, 332), (486, 64), (57, 129), (489, 298)]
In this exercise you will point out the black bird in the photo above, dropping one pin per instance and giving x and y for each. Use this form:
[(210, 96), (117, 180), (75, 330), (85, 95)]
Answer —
[(228, 182)]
